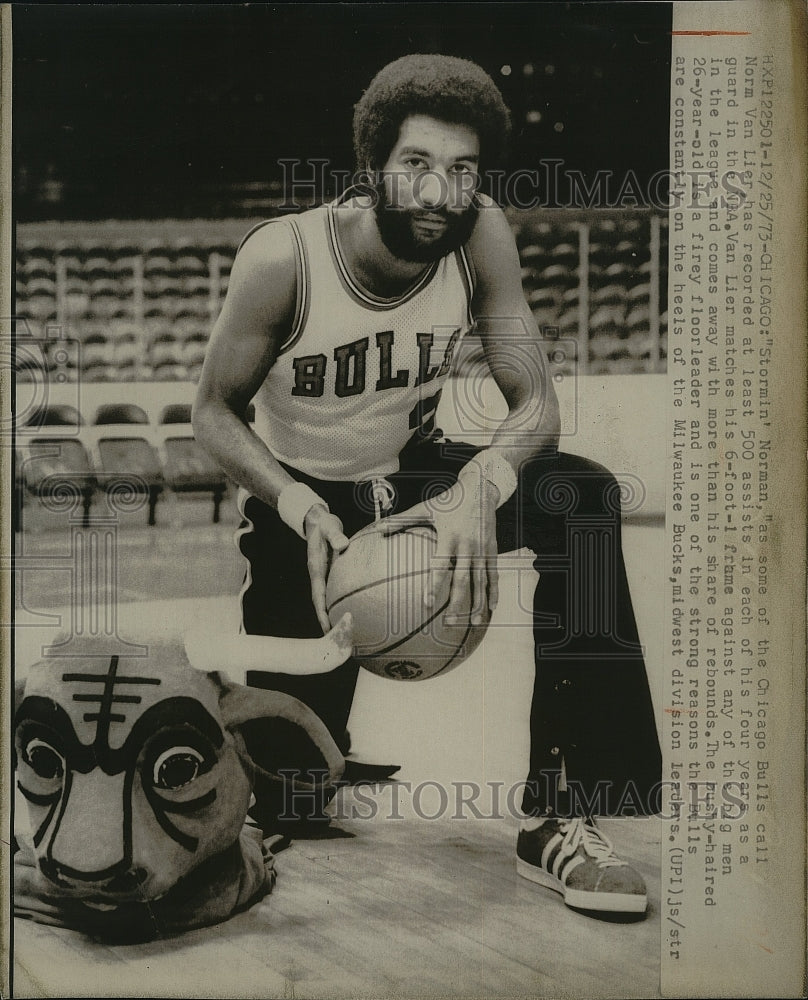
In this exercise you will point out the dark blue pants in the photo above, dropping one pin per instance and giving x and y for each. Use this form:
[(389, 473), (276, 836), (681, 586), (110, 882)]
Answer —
[(591, 703)]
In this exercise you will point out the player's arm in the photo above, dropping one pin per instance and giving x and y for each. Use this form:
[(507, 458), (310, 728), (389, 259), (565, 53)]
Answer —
[(255, 320), (466, 517), (511, 343), (515, 358)]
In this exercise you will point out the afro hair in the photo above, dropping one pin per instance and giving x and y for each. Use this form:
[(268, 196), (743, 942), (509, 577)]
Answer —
[(445, 87)]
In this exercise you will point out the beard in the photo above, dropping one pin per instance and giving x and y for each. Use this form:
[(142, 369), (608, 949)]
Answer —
[(398, 228)]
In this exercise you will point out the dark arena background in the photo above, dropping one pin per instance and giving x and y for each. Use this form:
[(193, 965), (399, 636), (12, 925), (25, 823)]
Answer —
[(147, 140)]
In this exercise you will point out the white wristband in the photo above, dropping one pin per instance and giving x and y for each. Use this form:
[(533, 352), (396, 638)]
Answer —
[(294, 503), (494, 467)]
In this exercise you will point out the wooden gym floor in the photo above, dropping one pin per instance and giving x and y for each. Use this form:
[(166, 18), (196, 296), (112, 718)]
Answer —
[(397, 907)]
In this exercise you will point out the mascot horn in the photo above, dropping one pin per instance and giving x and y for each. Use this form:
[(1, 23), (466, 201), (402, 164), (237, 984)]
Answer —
[(138, 773)]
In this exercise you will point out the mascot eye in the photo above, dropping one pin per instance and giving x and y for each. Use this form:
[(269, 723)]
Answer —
[(177, 767), (44, 760)]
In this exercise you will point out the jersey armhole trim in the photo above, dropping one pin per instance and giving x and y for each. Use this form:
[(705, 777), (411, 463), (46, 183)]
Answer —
[(468, 274), (302, 298), (302, 283)]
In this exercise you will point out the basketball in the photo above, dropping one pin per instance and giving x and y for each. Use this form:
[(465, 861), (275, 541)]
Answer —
[(381, 580)]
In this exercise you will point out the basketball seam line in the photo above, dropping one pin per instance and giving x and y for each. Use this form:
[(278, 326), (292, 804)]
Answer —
[(462, 642), (455, 654), (415, 631), (375, 583)]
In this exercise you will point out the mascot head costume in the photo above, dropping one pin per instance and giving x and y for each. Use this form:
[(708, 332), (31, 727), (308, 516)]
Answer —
[(138, 772)]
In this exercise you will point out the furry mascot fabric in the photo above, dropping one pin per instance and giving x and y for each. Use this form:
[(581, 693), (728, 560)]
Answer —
[(138, 773)]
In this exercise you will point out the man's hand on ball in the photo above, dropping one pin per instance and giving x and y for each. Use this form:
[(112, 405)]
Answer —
[(324, 536), (464, 518)]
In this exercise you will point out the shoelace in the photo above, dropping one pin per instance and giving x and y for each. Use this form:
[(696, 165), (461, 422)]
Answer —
[(579, 833)]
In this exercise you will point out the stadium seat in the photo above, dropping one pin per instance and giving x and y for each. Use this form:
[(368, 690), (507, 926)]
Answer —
[(169, 371), (98, 286), (605, 231), (166, 305), (55, 415), (26, 372), (37, 267), (41, 307), (72, 251), (133, 461), (564, 253), (126, 352), (639, 293), (189, 469), (165, 348), (193, 352), (99, 371), (607, 320), (542, 298), (188, 264), (155, 315), (159, 284), (77, 304), (533, 255), (158, 263), (530, 277), (634, 229), (126, 249), (196, 284), (175, 413), (609, 295), (123, 268), (154, 323), (198, 304), (569, 323), (31, 355), (120, 413), (53, 465), (97, 349), (570, 298), (132, 370), (595, 275), (124, 310), (41, 285), (599, 253), (186, 326), (124, 331), (605, 346), (639, 318), (627, 251), (558, 276), (103, 306), (98, 266), (639, 343)]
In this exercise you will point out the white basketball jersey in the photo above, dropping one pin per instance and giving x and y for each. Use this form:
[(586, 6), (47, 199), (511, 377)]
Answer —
[(359, 375)]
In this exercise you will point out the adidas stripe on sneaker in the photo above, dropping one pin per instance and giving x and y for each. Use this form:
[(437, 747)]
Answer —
[(574, 857)]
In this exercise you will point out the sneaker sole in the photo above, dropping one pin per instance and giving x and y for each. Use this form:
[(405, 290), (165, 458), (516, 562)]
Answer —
[(608, 902)]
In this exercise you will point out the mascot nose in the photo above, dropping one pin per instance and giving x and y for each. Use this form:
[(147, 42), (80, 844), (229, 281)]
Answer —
[(124, 884), (88, 840)]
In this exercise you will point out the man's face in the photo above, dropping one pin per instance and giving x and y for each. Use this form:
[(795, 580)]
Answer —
[(425, 208)]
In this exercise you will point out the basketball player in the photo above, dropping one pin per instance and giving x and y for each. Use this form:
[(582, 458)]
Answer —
[(342, 324)]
